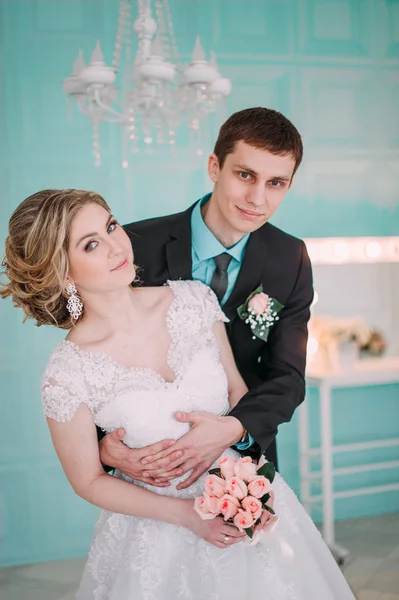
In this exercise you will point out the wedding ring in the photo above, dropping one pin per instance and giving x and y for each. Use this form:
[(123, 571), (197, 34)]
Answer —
[(226, 539)]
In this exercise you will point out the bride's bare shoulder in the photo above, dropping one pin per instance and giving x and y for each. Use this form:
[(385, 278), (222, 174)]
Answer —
[(154, 297)]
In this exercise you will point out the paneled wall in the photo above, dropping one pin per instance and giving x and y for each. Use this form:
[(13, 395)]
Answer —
[(332, 66)]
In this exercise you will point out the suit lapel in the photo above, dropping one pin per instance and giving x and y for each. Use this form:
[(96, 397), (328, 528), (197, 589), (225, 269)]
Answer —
[(178, 250), (249, 277)]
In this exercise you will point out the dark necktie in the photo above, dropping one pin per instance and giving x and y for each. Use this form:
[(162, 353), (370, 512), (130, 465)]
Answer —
[(219, 280)]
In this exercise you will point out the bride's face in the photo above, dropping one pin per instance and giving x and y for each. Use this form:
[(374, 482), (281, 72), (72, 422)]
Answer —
[(100, 253)]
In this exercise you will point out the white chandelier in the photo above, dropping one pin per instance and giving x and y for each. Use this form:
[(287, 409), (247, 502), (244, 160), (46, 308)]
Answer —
[(157, 93)]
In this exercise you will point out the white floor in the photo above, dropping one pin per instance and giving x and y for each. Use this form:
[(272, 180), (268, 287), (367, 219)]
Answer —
[(372, 568)]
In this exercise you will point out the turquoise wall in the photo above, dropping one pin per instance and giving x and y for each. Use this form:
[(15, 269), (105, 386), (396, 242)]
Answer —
[(330, 66)]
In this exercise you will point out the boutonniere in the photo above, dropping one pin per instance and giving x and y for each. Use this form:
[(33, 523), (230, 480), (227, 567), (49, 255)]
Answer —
[(260, 312)]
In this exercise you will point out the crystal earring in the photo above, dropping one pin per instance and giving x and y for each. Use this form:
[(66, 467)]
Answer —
[(74, 304)]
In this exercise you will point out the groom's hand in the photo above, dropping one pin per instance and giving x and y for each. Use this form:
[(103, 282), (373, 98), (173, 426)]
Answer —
[(207, 439), (133, 461)]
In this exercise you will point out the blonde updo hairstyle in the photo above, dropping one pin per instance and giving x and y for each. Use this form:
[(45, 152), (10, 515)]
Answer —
[(36, 253)]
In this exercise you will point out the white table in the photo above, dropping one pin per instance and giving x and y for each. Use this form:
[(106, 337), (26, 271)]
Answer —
[(370, 372)]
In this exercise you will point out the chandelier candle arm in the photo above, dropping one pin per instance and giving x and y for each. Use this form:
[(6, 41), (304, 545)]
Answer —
[(120, 117)]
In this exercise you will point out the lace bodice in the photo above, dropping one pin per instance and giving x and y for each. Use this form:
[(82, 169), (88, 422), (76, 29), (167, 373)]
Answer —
[(138, 398)]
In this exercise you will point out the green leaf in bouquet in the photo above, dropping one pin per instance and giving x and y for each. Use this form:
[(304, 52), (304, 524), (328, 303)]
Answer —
[(249, 532), (265, 498), (269, 508), (215, 472), (268, 470), (258, 522)]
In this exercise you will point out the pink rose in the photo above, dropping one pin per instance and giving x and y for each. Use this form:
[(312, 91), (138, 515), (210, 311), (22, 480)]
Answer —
[(228, 506), (253, 505), (226, 465), (243, 520), (245, 469), (259, 486), (207, 507), (213, 504), (271, 522), (259, 303), (236, 487), (214, 486)]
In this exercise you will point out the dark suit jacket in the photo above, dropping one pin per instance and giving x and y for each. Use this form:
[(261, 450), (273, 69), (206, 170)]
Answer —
[(272, 370)]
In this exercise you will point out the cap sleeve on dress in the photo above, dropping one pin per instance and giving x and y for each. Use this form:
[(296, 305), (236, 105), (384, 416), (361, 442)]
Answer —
[(63, 387)]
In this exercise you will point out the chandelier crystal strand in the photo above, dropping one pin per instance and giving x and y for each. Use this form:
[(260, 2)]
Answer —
[(132, 130), (123, 24), (175, 52), (125, 125), (122, 32), (156, 93), (96, 145), (119, 39), (127, 81), (164, 122), (160, 19), (125, 141), (196, 136)]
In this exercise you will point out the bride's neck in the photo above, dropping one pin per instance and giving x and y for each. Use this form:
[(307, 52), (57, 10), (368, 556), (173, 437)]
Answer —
[(114, 311)]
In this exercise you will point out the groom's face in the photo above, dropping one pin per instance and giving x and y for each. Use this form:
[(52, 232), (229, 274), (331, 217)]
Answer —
[(250, 186)]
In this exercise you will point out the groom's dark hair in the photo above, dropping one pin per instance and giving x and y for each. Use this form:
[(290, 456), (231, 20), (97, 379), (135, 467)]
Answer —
[(262, 128)]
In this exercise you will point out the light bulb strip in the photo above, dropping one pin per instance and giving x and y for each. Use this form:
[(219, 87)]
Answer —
[(346, 250)]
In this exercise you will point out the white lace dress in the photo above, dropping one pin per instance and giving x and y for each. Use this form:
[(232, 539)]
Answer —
[(142, 559)]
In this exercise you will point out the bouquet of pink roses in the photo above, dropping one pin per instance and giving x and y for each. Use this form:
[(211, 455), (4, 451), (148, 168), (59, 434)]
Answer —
[(239, 491)]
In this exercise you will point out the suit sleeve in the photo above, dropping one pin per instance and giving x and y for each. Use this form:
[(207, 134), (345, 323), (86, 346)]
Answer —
[(279, 385)]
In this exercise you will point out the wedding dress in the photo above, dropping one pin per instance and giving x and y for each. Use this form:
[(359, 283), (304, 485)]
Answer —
[(143, 559)]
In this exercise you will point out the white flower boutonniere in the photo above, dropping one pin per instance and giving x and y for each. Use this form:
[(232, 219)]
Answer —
[(260, 312)]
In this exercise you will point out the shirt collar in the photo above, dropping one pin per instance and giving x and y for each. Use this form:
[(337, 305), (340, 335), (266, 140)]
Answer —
[(205, 244)]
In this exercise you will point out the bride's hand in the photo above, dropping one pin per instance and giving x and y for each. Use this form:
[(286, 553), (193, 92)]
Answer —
[(214, 531)]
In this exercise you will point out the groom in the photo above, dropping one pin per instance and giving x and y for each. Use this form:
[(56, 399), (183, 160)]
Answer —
[(225, 241)]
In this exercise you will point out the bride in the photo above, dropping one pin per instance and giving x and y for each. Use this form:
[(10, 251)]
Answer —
[(132, 358)]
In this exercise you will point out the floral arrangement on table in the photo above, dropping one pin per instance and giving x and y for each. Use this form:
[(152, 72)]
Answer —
[(340, 340)]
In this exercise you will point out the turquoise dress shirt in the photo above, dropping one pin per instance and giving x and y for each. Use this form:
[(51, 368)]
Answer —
[(204, 247)]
